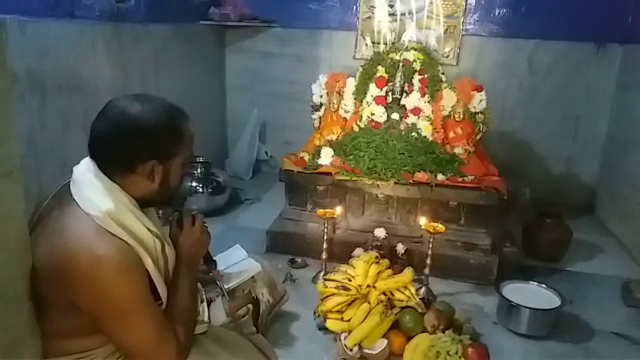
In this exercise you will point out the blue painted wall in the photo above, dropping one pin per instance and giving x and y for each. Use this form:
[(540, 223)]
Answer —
[(598, 21)]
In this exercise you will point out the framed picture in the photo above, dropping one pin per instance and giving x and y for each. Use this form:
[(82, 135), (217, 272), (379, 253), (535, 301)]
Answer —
[(436, 24)]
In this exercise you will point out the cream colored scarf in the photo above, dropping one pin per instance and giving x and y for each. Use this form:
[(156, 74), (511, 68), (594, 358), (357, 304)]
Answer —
[(113, 209)]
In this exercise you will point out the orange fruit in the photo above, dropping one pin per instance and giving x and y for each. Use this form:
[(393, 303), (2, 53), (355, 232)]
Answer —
[(397, 341)]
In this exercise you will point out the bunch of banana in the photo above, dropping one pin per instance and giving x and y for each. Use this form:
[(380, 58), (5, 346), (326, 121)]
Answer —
[(365, 326), (352, 296), (406, 296), (442, 346)]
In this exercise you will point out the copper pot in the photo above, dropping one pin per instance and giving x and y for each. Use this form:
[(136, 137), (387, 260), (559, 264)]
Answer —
[(546, 237)]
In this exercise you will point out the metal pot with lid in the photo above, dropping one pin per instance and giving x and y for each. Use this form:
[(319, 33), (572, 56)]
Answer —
[(205, 188)]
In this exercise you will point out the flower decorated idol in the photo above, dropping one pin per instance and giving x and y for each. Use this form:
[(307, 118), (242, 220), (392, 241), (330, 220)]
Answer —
[(399, 120)]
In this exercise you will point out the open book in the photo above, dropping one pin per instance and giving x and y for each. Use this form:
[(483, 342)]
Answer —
[(236, 266)]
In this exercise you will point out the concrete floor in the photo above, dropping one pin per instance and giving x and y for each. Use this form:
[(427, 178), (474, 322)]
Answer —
[(589, 278)]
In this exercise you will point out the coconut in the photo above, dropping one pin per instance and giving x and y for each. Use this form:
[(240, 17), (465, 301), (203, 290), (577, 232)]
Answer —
[(344, 352), (379, 351)]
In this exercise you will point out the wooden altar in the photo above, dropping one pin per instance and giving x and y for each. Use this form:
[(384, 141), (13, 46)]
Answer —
[(483, 226)]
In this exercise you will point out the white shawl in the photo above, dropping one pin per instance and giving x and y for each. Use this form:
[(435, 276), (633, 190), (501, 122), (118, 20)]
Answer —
[(113, 209)]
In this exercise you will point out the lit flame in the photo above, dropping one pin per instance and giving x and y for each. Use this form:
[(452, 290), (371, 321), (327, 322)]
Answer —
[(423, 220), (338, 210)]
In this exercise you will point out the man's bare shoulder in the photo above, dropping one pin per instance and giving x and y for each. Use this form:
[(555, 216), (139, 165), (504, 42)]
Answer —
[(69, 240)]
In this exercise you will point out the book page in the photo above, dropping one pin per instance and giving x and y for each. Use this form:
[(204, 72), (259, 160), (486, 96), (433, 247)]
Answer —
[(231, 257), (240, 272)]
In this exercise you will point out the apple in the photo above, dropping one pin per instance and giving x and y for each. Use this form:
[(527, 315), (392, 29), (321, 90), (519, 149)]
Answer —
[(477, 351)]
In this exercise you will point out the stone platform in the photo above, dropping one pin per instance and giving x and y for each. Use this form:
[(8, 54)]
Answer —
[(481, 240)]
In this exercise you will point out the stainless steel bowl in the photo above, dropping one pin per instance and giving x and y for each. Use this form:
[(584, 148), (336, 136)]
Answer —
[(527, 320), (204, 188)]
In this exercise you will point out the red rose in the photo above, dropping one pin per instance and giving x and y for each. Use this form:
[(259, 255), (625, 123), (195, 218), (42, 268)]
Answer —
[(421, 177), (424, 82), (478, 88), (407, 62), (381, 82), (374, 124), (380, 100), (409, 89), (421, 71), (357, 171), (416, 111), (407, 176), (300, 162), (423, 91)]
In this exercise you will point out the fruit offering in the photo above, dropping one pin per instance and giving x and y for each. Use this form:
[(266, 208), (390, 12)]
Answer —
[(376, 313)]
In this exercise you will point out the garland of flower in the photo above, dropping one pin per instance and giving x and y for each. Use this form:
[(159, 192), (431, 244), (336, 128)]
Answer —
[(385, 59)]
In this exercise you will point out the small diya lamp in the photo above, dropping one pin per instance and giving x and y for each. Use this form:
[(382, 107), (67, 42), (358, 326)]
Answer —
[(433, 229), (326, 215)]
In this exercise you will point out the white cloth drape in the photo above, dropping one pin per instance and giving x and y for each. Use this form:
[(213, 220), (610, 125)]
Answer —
[(113, 209)]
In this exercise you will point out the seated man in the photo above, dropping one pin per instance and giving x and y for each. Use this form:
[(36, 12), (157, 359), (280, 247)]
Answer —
[(108, 281)]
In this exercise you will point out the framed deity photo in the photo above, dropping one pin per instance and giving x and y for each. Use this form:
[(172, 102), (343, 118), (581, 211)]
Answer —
[(436, 24)]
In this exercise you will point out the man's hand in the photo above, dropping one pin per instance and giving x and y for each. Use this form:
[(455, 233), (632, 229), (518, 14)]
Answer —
[(190, 237)]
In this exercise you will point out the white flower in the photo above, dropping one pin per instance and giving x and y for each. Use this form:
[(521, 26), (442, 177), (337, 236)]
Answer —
[(449, 99), (326, 156), (443, 77), (316, 116), (409, 55), (304, 155), (400, 249), (319, 90), (425, 128), (478, 102), (357, 252), (441, 177), (348, 104), (395, 116), (381, 71), (380, 233), (458, 150), (379, 113), (412, 100)]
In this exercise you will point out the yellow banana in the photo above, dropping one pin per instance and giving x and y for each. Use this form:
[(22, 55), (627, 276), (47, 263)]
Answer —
[(379, 331), (417, 348), (334, 315), (332, 302), (384, 264), (365, 256), (337, 326), (385, 274), (397, 294), (396, 281), (373, 297), (328, 287), (412, 289), (360, 315), (347, 269), (363, 264), (418, 305), (352, 308), (364, 329), (343, 307), (340, 277), (372, 275)]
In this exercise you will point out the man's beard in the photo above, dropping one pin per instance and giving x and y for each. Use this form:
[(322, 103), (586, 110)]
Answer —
[(166, 195)]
